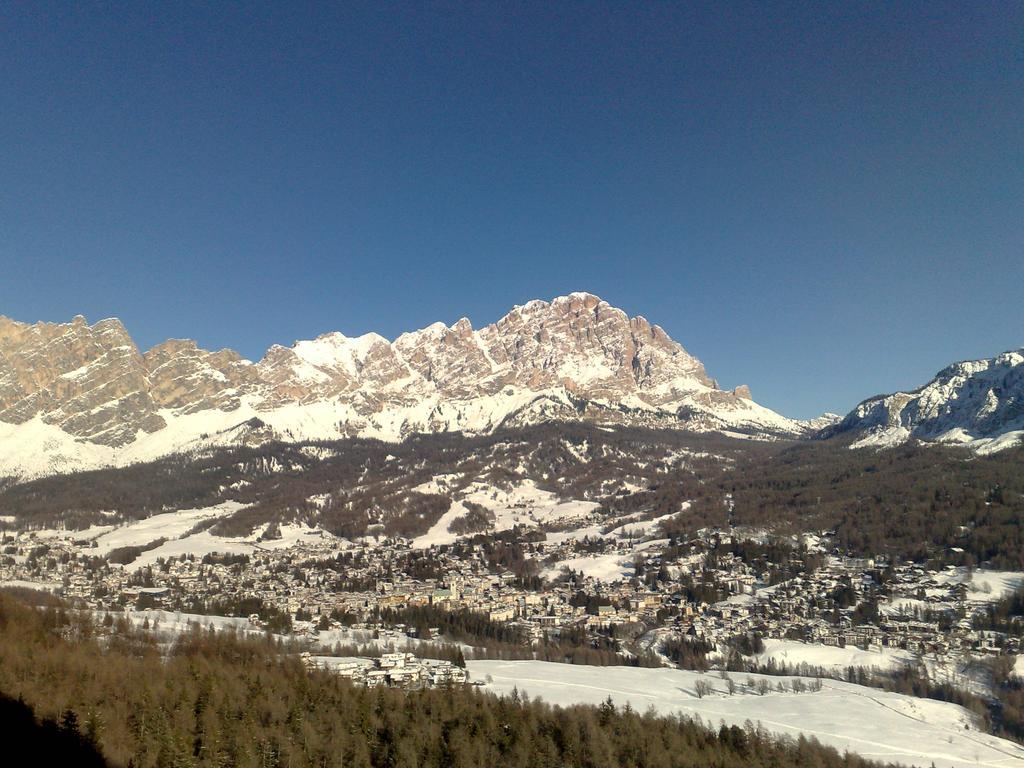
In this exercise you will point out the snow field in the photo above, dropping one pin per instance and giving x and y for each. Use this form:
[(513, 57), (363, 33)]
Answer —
[(522, 504), (873, 723), (832, 658)]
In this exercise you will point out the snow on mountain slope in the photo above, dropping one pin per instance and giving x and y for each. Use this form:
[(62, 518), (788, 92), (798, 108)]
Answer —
[(978, 403), (883, 726), (520, 504), (182, 532), (75, 396)]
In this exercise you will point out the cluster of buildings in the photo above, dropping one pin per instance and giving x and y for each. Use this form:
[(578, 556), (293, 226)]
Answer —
[(843, 603), (323, 582), (393, 670)]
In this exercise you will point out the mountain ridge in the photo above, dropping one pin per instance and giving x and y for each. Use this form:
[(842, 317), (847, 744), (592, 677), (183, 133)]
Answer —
[(978, 403), (78, 396)]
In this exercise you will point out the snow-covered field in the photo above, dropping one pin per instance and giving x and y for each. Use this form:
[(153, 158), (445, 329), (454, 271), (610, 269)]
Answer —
[(522, 504), (832, 658), (608, 567), (204, 542), (983, 586), (169, 525), (175, 527), (176, 623), (876, 724)]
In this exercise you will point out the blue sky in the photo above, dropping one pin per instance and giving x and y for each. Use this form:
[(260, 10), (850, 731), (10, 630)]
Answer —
[(824, 201)]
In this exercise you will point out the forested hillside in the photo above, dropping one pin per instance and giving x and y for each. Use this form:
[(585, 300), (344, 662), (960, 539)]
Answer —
[(915, 502), (216, 700)]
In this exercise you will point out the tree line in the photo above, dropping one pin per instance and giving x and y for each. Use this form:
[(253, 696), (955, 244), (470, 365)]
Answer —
[(214, 699)]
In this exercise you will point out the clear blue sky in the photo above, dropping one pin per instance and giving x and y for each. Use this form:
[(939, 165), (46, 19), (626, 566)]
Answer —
[(824, 201)]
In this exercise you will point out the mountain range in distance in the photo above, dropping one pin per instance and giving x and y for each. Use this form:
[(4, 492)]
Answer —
[(76, 396)]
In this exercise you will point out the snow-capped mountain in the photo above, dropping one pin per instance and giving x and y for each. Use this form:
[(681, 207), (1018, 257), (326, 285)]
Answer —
[(979, 403), (75, 395)]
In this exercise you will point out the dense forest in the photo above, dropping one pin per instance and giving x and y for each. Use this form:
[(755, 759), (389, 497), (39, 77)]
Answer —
[(921, 503), (219, 700)]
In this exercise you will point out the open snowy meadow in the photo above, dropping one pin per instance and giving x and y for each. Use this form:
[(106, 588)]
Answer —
[(883, 726)]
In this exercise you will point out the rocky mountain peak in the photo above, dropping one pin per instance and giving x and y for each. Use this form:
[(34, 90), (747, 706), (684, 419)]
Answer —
[(189, 379), (974, 402), (463, 327), (90, 381), (573, 357)]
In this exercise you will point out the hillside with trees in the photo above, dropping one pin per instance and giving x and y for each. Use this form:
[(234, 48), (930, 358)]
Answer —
[(218, 700), (916, 502)]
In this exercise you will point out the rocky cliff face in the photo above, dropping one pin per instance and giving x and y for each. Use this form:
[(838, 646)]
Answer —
[(187, 379), (87, 394), (90, 381), (977, 402)]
